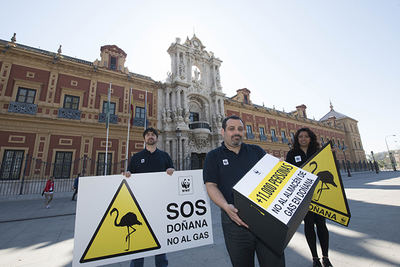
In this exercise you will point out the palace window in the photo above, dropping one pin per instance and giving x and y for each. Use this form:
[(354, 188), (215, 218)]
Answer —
[(62, 164), (113, 63), (249, 132), (194, 116), (284, 139), (292, 136), (262, 133), (25, 95), (248, 129), (112, 107), (71, 102), (101, 163), (140, 113), (11, 166), (273, 136), (273, 133)]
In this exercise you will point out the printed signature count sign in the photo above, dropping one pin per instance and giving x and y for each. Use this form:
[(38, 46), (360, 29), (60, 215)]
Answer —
[(273, 198)]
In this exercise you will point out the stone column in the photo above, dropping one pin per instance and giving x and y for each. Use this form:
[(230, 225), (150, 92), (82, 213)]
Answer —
[(178, 98), (207, 112), (167, 147), (167, 99), (173, 102)]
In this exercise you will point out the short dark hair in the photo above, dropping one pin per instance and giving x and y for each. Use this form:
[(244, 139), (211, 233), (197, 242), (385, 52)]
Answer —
[(150, 129), (233, 117)]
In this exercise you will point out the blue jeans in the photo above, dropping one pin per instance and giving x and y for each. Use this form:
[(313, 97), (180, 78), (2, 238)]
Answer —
[(160, 261), (243, 244)]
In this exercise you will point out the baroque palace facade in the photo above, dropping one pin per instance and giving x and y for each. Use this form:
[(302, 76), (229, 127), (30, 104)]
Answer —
[(52, 113)]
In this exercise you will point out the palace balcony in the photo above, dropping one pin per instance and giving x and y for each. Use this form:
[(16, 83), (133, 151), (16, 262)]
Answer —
[(250, 135), (67, 113), (200, 126), (113, 118), (24, 108), (263, 138)]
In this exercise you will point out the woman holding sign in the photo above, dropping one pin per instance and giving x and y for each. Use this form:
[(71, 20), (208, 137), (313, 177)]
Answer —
[(305, 145)]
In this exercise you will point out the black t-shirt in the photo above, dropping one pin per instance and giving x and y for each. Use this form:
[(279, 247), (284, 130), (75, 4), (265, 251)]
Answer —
[(145, 161), (297, 157), (225, 168)]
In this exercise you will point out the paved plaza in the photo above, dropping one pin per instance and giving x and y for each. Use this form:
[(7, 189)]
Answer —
[(31, 235)]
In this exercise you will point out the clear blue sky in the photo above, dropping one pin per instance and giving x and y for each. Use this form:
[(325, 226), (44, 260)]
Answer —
[(286, 52)]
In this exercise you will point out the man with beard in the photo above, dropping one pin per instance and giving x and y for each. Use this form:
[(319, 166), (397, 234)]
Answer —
[(150, 159), (223, 168)]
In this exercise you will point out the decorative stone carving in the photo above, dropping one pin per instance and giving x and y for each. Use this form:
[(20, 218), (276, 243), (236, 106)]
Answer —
[(164, 115), (194, 80), (170, 76), (196, 74), (168, 117), (217, 78), (199, 144), (181, 69)]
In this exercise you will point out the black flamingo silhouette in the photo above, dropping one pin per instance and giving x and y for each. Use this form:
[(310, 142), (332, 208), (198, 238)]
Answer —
[(127, 220), (326, 178)]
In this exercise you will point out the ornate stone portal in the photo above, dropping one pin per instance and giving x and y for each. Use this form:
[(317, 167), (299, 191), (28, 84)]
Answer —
[(191, 104)]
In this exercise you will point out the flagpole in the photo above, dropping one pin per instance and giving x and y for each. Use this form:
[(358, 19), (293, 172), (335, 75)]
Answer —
[(129, 127), (145, 110), (108, 127)]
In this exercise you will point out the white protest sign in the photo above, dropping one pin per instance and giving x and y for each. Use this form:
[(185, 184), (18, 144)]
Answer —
[(119, 219), (276, 186)]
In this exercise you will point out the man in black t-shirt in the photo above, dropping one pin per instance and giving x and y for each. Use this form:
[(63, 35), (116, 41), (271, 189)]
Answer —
[(150, 159), (223, 168)]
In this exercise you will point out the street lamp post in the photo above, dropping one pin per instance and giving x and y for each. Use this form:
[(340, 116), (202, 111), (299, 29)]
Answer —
[(345, 162), (178, 135), (376, 166), (390, 154)]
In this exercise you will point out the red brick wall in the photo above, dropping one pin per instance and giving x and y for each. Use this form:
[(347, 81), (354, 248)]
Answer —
[(64, 81), (281, 125), (19, 72), (291, 126), (260, 120), (231, 112), (102, 89), (111, 148), (247, 117), (137, 99), (55, 144), (271, 123), (28, 143)]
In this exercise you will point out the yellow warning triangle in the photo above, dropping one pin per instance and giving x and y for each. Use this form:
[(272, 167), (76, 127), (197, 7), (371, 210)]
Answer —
[(123, 229), (329, 198)]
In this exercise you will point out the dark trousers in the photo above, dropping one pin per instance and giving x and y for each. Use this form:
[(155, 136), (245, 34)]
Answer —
[(160, 261), (75, 192), (242, 244), (322, 232)]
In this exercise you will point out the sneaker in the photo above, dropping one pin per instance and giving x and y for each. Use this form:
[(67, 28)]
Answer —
[(47, 206), (326, 262), (316, 262)]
